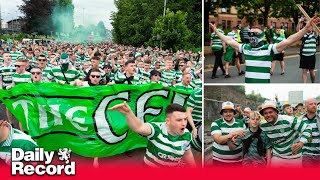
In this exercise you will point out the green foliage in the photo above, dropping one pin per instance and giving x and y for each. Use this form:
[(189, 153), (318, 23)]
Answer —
[(242, 89), (171, 30), (255, 97), (37, 15), (134, 21)]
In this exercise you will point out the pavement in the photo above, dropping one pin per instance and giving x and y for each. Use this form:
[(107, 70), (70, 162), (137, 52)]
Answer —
[(292, 70)]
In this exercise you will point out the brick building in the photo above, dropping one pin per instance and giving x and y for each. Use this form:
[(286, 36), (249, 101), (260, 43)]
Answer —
[(228, 19)]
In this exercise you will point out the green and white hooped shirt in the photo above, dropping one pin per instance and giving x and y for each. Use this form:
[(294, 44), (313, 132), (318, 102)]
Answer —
[(285, 132), (258, 62), (221, 152), (165, 150), (312, 147), (16, 139)]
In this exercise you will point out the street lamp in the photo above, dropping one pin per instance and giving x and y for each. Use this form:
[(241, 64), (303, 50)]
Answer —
[(164, 14)]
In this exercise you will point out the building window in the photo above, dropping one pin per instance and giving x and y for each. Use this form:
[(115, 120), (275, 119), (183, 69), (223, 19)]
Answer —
[(223, 24), (293, 27), (286, 26), (274, 25), (229, 24)]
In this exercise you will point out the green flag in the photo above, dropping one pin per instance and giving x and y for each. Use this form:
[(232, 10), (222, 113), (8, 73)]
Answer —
[(59, 116)]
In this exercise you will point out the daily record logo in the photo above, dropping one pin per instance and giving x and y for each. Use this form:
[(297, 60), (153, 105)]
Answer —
[(33, 162)]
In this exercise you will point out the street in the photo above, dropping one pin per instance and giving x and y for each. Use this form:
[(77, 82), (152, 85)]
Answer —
[(292, 72)]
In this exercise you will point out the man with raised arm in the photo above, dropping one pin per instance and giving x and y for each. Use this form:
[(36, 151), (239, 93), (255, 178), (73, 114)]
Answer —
[(258, 57), (169, 141)]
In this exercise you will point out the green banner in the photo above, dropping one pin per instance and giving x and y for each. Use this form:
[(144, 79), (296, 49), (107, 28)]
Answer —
[(58, 116)]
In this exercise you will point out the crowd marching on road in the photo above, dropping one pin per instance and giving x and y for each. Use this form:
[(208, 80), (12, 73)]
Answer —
[(107, 64)]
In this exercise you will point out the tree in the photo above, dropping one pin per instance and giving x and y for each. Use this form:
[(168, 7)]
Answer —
[(37, 16), (210, 7), (288, 9), (134, 20), (172, 31), (253, 10), (193, 19)]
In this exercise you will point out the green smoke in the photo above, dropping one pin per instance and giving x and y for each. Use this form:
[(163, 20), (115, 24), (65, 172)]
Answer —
[(63, 21)]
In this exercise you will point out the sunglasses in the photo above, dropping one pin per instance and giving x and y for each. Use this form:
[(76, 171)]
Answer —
[(181, 65), (95, 76), (121, 65), (157, 75), (18, 66), (38, 73), (43, 60)]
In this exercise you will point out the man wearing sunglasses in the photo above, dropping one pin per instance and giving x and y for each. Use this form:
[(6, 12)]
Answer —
[(94, 79), (259, 56), (36, 75), (21, 76), (43, 65), (13, 138)]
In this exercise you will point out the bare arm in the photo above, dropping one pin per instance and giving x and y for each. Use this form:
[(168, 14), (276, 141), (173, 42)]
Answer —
[(231, 145), (134, 123), (188, 158), (190, 121), (297, 36), (225, 39), (222, 139), (268, 157)]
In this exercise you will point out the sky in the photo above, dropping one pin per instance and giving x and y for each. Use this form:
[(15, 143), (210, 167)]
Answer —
[(282, 90), (93, 12)]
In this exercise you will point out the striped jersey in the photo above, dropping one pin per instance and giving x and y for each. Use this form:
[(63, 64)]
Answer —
[(278, 38), (145, 76), (181, 86), (1, 60), (57, 75), (258, 62), (6, 75), (163, 149), (16, 139), (196, 83), (45, 72), (15, 55), (179, 75), (309, 47), (216, 41), (120, 78), (21, 78), (232, 35), (168, 76), (313, 145), (195, 102), (285, 132), (221, 152)]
